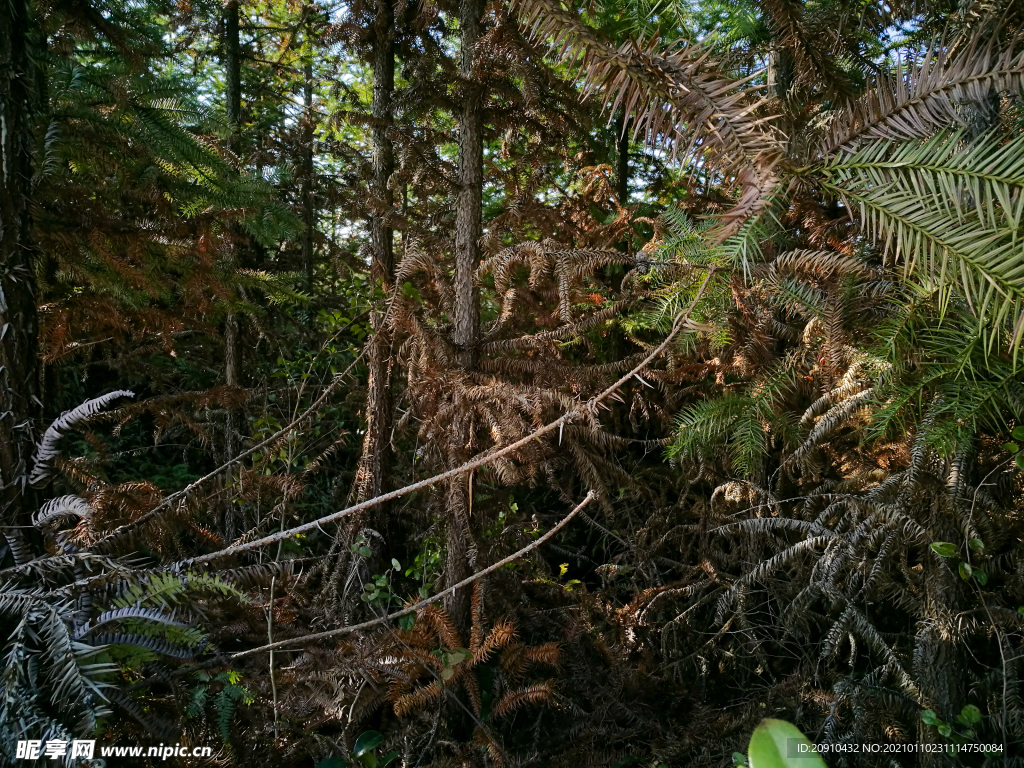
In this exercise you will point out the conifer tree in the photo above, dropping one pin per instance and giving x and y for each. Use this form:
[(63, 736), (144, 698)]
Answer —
[(19, 351)]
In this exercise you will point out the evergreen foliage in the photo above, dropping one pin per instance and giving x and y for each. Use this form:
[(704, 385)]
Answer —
[(748, 275)]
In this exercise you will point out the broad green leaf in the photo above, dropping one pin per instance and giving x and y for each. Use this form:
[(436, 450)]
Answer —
[(965, 571), (1018, 433), (447, 673), (981, 577), (943, 548), (976, 544), (1010, 447), (367, 742), (928, 717), (970, 714), (778, 744)]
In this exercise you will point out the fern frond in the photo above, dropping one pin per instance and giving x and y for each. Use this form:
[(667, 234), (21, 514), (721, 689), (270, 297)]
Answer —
[(951, 214), (678, 97), (538, 693), (47, 451), (62, 506), (156, 644), (132, 612), (924, 96)]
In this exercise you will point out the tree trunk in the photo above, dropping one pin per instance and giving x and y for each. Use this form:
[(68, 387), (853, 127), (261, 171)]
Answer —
[(468, 228), (374, 462), (622, 159), (939, 658), (232, 60), (19, 324), (232, 69), (233, 108), (460, 547), (308, 208)]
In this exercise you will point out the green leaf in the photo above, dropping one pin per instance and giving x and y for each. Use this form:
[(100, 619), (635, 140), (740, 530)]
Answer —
[(388, 758), (395, 564), (407, 622), (943, 548), (775, 740), (447, 673), (364, 551), (945, 729), (367, 741), (1019, 460), (965, 571), (981, 577), (1021, 610), (970, 714), (739, 759), (928, 717), (976, 544), (1018, 433), (1010, 447)]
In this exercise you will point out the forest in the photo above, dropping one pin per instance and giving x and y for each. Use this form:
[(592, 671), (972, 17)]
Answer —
[(507, 383)]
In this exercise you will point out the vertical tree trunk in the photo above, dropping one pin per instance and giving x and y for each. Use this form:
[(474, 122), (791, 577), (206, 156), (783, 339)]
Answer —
[(232, 70), (232, 60), (19, 325), (622, 159), (468, 230), (308, 208), (374, 462), (939, 656), (233, 109), (622, 193)]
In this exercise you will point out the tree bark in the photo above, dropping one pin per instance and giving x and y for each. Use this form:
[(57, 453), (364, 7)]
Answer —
[(19, 323), (374, 462), (232, 70), (939, 657), (468, 229), (233, 110), (232, 60), (308, 207), (622, 159)]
